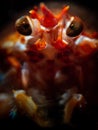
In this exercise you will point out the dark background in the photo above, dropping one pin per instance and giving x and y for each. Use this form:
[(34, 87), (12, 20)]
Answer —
[(8, 10)]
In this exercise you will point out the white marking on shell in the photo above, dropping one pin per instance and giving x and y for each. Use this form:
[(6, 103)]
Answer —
[(84, 38), (35, 26), (17, 92), (25, 74)]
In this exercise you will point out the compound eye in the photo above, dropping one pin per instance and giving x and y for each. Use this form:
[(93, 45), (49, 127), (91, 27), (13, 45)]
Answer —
[(75, 28), (23, 26)]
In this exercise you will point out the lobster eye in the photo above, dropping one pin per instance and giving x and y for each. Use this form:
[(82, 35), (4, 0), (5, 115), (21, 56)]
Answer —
[(23, 26), (75, 28)]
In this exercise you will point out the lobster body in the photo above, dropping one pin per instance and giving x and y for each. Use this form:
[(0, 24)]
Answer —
[(49, 69)]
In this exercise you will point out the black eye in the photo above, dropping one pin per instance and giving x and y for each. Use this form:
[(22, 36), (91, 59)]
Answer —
[(75, 28), (23, 26)]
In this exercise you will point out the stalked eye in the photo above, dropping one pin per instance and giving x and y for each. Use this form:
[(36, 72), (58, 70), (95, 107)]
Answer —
[(23, 26), (75, 28)]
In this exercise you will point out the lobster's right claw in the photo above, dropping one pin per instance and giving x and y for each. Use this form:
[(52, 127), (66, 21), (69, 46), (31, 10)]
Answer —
[(77, 100)]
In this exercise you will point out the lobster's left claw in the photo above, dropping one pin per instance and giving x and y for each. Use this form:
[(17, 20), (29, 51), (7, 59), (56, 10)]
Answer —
[(25, 102)]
